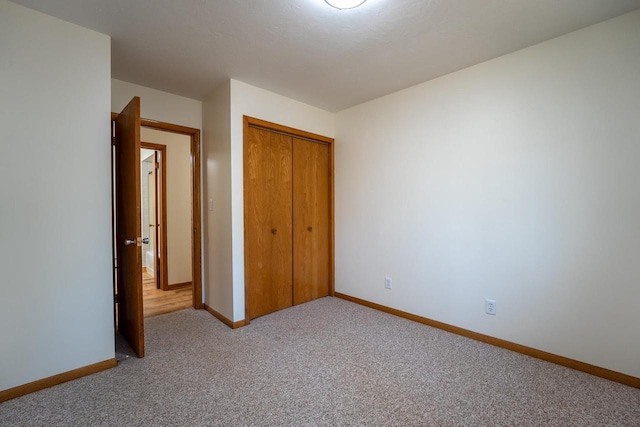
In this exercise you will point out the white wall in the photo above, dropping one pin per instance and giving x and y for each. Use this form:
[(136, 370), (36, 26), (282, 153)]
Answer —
[(56, 314), (218, 281), (515, 180), (178, 171), (157, 105), (223, 118)]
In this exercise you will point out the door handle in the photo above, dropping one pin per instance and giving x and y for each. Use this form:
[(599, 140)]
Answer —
[(137, 241), (274, 231)]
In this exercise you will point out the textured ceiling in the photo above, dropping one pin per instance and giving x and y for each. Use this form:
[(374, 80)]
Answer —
[(308, 51)]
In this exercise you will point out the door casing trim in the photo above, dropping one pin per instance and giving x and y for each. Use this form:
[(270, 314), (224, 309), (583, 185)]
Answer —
[(162, 234)]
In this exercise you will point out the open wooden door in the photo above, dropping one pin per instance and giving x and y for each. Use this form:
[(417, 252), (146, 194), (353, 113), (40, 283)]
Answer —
[(128, 226)]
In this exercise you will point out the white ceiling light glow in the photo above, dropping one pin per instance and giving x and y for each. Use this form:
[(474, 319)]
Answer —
[(344, 4)]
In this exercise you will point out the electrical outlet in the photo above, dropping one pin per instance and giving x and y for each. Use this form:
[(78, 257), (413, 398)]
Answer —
[(387, 283), (490, 306)]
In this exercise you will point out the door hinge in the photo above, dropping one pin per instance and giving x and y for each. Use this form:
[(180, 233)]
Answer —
[(115, 298)]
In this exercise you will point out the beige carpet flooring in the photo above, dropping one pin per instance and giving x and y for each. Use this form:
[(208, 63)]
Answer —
[(328, 362)]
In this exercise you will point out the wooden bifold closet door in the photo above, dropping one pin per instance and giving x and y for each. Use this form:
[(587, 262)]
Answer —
[(287, 191), (310, 221)]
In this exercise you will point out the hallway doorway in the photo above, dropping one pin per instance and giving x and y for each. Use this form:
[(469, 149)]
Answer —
[(128, 288)]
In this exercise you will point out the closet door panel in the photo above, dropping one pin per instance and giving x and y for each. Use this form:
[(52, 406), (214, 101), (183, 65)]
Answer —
[(268, 222), (311, 190)]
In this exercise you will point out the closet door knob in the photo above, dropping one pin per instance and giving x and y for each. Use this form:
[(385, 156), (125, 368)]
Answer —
[(274, 231), (309, 228)]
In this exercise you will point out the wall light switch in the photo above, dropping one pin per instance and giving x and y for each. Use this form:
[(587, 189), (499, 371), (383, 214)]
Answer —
[(490, 307), (210, 204)]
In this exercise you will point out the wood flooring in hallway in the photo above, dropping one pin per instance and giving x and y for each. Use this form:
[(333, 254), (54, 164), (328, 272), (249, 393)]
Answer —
[(157, 301)]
